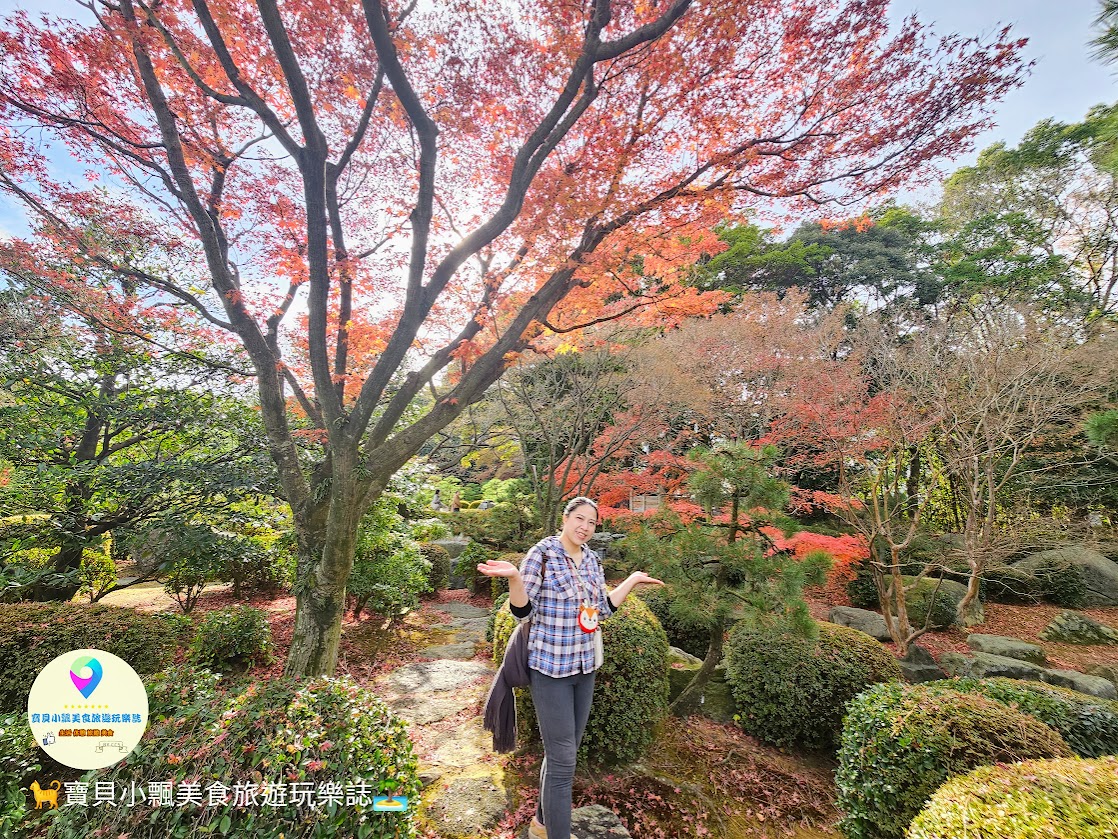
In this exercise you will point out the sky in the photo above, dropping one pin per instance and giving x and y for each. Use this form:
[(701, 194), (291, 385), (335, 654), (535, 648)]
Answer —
[(1065, 81)]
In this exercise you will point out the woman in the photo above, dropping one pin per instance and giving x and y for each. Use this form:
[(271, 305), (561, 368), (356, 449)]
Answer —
[(560, 583)]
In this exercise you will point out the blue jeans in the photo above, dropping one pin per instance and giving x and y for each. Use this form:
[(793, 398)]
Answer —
[(562, 708)]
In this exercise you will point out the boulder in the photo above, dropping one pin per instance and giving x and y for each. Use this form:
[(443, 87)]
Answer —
[(1099, 573), (1007, 647), (863, 620), (454, 545), (1107, 671), (1076, 628), (919, 666), (1093, 685), (678, 656), (596, 822), (986, 666)]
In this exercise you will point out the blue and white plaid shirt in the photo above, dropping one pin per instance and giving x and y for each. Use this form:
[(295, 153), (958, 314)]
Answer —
[(556, 645)]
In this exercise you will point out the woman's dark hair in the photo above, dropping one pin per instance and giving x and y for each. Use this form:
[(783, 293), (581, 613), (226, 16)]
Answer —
[(578, 502)]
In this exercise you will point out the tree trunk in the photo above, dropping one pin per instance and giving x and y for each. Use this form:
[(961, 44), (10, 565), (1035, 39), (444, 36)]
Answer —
[(971, 610), (326, 550), (68, 558), (687, 702)]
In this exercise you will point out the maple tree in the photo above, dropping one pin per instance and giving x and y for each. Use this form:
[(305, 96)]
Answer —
[(442, 186)]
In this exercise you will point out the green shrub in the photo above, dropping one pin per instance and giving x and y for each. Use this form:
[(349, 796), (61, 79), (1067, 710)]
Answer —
[(97, 572), (428, 530), (197, 555), (389, 574), (465, 566), (19, 763), (232, 639), (1062, 582), (794, 690), (900, 743), (490, 625), (1006, 584), (32, 634), (180, 691), (1037, 799), (260, 565), (862, 591), (683, 628), (1089, 725), (276, 733), (439, 576), (630, 691)]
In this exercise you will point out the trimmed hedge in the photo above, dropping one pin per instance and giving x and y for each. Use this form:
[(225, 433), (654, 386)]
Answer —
[(688, 632), (630, 691), (319, 732), (793, 690), (19, 763), (1089, 725), (439, 558), (900, 743), (33, 634), (1036, 799)]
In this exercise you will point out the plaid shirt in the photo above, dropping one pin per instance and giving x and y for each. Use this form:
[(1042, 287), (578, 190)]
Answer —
[(556, 645)]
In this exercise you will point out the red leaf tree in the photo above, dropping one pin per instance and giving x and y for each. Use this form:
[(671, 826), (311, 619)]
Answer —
[(446, 184)]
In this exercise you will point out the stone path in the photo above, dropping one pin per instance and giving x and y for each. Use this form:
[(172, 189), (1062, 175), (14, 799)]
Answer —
[(441, 700)]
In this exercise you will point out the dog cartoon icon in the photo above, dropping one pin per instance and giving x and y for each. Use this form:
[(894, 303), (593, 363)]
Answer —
[(45, 796)]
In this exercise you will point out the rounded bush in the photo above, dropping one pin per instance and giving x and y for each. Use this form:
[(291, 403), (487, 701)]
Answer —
[(332, 737), (1089, 725), (792, 690), (1036, 799), (32, 634), (501, 600), (900, 743), (686, 631), (466, 566), (232, 639), (439, 558), (862, 591), (630, 691)]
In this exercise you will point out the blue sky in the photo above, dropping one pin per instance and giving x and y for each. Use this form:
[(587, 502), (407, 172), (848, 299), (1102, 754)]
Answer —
[(1064, 84), (1065, 80)]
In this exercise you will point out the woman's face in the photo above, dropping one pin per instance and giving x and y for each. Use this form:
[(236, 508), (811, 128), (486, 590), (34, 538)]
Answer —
[(579, 523)]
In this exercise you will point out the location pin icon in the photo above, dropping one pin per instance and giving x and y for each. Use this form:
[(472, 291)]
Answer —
[(86, 684)]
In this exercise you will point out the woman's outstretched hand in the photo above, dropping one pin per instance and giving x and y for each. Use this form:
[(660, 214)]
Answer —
[(639, 577), (495, 568)]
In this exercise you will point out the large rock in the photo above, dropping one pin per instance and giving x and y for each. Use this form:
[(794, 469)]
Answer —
[(1007, 647), (1107, 671), (1099, 573), (1076, 628), (454, 545), (1093, 685), (863, 620), (986, 666), (596, 822), (919, 666)]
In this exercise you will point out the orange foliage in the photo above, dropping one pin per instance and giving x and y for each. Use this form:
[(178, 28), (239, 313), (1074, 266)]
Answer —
[(847, 551)]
